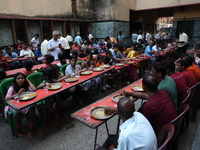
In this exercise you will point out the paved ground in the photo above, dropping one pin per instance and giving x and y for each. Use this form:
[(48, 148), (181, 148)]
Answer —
[(76, 136)]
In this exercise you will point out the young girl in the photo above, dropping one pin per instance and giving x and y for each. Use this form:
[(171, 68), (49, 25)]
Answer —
[(88, 64), (47, 60), (100, 60), (20, 85)]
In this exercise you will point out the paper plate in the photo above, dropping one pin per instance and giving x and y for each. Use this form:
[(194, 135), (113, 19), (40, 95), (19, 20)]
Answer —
[(86, 73), (55, 86), (74, 79), (27, 96), (98, 69), (99, 113), (137, 87), (119, 64)]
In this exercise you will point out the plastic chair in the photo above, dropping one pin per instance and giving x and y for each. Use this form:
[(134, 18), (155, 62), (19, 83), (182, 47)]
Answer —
[(35, 78), (177, 122), (183, 96), (165, 135), (80, 62), (62, 68)]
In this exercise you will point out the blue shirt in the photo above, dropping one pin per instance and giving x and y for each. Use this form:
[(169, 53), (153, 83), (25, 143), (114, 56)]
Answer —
[(38, 52), (13, 55), (117, 55), (147, 50), (78, 39)]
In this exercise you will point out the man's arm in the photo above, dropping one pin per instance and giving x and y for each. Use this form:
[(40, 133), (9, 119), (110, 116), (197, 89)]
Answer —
[(141, 95)]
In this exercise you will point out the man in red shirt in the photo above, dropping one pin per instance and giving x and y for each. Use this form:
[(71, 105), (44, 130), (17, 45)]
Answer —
[(159, 109), (178, 77), (189, 75)]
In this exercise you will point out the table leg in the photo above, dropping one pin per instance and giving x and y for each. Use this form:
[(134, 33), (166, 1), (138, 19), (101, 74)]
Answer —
[(107, 128), (117, 132), (95, 139)]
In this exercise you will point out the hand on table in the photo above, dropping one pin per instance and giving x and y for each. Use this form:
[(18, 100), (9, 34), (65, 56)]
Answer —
[(110, 110), (48, 85), (124, 93)]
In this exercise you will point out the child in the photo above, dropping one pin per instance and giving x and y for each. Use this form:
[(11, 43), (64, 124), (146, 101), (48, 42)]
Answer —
[(38, 51), (100, 60), (107, 58), (4, 63), (28, 65), (47, 60), (88, 64)]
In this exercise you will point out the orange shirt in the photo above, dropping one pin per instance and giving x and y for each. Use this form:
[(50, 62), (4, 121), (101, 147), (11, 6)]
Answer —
[(99, 64), (194, 68), (4, 58)]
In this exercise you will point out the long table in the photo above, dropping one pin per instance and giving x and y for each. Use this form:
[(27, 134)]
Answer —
[(107, 101), (41, 95)]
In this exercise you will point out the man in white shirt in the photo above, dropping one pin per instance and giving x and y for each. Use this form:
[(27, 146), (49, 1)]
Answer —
[(35, 41), (44, 45), (182, 42), (25, 52), (90, 36), (69, 39), (66, 50), (136, 131), (55, 45), (139, 36)]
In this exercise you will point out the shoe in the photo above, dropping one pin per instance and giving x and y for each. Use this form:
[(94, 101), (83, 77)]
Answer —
[(103, 88), (107, 86), (19, 132)]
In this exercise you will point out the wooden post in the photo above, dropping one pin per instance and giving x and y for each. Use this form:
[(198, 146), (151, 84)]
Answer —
[(64, 29), (13, 32), (26, 32), (41, 31), (50, 28)]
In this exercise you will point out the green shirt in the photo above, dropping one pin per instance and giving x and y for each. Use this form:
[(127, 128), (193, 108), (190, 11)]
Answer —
[(169, 86)]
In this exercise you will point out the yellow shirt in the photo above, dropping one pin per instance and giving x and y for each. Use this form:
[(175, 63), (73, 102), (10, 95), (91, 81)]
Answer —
[(131, 54)]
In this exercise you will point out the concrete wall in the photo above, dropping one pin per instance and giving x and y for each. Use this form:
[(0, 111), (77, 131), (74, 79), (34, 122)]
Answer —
[(5, 32), (33, 8), (33, 28), (188, 12), (57, 25), (147, 4)]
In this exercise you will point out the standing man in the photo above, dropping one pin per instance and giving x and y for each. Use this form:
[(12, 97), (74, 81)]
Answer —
[(66, 50), (69, 39), (90, 36), (35, 41), (78, 39), (182, 42), (120, 39), (44, 45), (55, 45), (136, 131)]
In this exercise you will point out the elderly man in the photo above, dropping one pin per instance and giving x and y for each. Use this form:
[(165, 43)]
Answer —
[(55, 45), (44, 45), (35, 41), (66, 50), (136, 131), (182, 42)]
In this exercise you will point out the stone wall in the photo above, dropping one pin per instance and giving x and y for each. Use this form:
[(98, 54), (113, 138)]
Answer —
[(196, 33), (57, 25), (6, 33), (33, 28)]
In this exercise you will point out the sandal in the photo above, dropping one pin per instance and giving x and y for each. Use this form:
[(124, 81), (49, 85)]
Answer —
[(19, 132), (30, 134)]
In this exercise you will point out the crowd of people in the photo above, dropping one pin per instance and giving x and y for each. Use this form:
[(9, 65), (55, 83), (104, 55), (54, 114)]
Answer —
[(160, 86)]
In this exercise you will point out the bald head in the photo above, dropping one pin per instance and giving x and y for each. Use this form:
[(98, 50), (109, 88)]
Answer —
[(150, 82), (126, 108)]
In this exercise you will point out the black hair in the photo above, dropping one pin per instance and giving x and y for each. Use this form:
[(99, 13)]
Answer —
[(109, 45), (48, 74), (55, 68), (16, 86), (1, 51), (7, 48), (108, 52), (37, 35), (81, 55), (189, 59), (117, 46), (87, 51), (150, 82), (61, 57), (28, 64), (73, 57), (49, 58), (96, 51), (183, 63), (38, 45), (2, 74), (99, 57), (46, 36), (159, 67), (182, 55), (169, 64), (75, 53)]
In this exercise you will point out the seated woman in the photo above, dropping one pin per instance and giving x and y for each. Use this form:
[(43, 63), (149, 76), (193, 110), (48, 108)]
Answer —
[(20, 85), (47, 60)]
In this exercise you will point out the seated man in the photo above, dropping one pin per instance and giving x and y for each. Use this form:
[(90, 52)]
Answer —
[(181, 66), (165, 83), (25, 52), (178, 77), (136, 131), (192, 67), (11, 55), (159, 109)]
